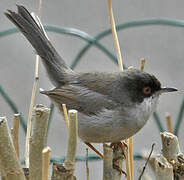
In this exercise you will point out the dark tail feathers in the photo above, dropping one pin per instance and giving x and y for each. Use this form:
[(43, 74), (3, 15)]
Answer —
[(55, 65)]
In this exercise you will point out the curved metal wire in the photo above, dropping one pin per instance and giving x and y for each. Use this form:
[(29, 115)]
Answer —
[(13, 107), (130, 24), (179, 118)]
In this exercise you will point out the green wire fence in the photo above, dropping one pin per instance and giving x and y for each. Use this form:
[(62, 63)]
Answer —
[(94, 41)]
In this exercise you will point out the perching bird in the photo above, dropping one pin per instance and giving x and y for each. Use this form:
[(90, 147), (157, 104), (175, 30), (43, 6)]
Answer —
[(111, 106)]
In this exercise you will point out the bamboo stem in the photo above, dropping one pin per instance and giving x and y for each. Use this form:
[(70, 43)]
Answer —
[(35, 85), (45, 163), (107, 163), (114, 33), (87, 167), (15, 133), (143, 61), (127, 166), (2, 173), (127, 160), (163, 169), (113, 160), (169, 123), (33, 96), (38, 140), (10, 163), (120, 63), (131, 156), (65, 171), (170, 146), (65, 115), (171, 151), (73, 134)]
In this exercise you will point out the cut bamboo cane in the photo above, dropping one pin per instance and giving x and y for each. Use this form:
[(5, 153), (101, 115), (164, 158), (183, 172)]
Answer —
[(38, 140), (163, 169), (15, 133), (10, 163), (113, 160), (107, 163), (65, 112), (45, 163), (169, 123), (171, 151), (65, 171), (73, 134)]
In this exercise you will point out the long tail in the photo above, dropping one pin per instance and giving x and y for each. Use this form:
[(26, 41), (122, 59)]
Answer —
[(55, 65)]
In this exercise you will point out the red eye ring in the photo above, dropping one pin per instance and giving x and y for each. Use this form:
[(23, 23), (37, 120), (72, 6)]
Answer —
[(147, 90)]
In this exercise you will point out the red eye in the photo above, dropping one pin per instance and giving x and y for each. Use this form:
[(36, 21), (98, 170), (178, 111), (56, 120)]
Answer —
[(147, 90)]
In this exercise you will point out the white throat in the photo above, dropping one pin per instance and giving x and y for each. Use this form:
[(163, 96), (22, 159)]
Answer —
[(143, 110)]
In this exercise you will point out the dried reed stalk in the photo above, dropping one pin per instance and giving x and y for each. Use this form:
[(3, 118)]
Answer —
[(120, 63), (143, 61), (127, 160), (114, 33)]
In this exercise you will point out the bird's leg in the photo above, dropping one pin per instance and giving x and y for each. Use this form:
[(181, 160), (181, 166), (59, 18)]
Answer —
[(94, 149), (115, 166), (122, 144), (119, 149)]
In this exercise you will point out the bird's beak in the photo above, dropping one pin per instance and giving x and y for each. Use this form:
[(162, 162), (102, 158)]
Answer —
[(167, 89)]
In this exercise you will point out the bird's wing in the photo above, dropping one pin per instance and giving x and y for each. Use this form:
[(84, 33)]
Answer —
[(104, 83), (80, 98)]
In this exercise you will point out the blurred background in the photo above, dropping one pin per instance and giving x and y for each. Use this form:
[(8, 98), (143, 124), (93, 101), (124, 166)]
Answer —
[(162, 46)]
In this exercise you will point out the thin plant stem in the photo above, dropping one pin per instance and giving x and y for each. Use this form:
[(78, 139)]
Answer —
[(131, 156), (143, 61), (152, 147), (87, 167), (127, 161), (113, 26), (34, 90)]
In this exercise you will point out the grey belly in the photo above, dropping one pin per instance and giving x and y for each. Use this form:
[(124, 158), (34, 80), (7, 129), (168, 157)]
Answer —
[(105, 128)]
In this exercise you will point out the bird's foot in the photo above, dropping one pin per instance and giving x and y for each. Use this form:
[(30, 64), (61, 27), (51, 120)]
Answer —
[(119, 150), (120, 145), (117, 167)]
